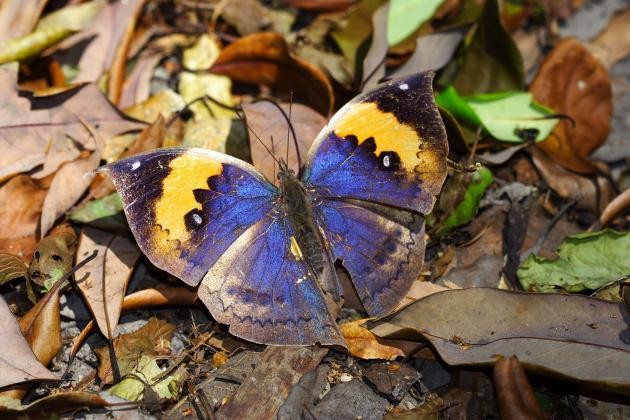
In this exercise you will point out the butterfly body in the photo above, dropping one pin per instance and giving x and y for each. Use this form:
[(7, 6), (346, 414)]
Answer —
[(265, 255)]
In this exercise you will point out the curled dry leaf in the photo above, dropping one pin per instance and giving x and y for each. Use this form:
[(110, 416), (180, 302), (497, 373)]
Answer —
[(572, 82), (11, 268), (264, 59), (143, 299), (21, 202), (51, 130), (68, 185), (53, 405), (570, 337), (515, 395), (103, 281), (613, 43), (615, 207), (271, 130), (570, 185), (364, 344), (53, 256), (17, 362)]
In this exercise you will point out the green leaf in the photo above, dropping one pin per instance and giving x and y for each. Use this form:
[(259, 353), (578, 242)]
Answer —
[(585, 261), (467, 208), (132, 387), (101, 208), (405, 16), (506, 116)]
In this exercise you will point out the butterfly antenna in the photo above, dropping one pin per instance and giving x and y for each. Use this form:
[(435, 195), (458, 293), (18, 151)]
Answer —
[(273, 149), (288, 120), (289, 124), (258, 138)]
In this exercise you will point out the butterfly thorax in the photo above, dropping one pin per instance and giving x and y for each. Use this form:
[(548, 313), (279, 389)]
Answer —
[(297, 203)]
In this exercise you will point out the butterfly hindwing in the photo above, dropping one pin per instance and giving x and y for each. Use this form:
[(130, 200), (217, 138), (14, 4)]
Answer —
[(185, 207), (387, 146), (262, 287), (381, 247)]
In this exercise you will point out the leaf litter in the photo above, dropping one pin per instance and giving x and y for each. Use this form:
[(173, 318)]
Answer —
[(223, 75)]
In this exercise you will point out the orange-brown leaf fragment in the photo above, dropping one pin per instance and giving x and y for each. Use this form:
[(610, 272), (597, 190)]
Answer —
[(364, 344), (572, 82)]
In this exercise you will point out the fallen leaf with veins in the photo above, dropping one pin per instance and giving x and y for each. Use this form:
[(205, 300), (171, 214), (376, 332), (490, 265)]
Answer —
[(568, 337), (572, 82), (50, 130), (18, 364), (103, 281)]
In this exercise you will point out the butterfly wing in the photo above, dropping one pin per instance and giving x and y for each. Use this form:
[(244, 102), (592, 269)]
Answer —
[(387, 146), (263, 289), (185, 207), (376, 169)]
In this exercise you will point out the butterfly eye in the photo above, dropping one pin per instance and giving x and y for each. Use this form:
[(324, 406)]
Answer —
[(389, 161)]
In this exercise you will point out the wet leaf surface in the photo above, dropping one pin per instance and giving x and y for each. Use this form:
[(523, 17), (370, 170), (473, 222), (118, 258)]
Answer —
[(574, 338)]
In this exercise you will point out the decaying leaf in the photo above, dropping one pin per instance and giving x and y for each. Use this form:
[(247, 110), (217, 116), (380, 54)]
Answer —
[(153, 339), (515, 395), (250, 16), (433, 51), (613, 43), (404, 17), (103, 281), (11, 268), (569, 337), (374, 61), (53, 256), (264, 58), (364, 344), (147, 374), (586, 261), (572, 82), (18, 364), (19, 18), (272, 133)]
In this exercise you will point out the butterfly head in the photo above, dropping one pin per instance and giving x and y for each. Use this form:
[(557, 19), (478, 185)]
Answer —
[(285, 173)]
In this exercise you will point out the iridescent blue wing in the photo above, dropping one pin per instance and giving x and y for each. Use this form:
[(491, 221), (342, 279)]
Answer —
[(263, 289), (185, 207), (387, 146), (376, 170)]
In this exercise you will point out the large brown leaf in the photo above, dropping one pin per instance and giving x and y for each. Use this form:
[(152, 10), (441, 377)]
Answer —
[(17, 362), (51, 130), (569, 337), (572, 82), (265, 122), (18, 18), (21, 201), (103, 281), (264, 59)]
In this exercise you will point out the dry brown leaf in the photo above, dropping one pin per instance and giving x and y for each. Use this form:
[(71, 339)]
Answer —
[(364, 344), (21, 201), (613, 43), (146, 298), (515, 396), (154, 338), (52, 130), (321, 5), (570, 185), (264, 59), (18, 18), (615, 207), (11, 268), (68, 185), (267, 122), (572, 82), (17, 362), (374, 62), (103, 281), (53, 405), (420, 289)]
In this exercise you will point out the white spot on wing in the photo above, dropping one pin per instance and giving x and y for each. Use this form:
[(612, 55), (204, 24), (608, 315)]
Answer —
[(135, 165), (197, 218), (403, 86), (386, 161)]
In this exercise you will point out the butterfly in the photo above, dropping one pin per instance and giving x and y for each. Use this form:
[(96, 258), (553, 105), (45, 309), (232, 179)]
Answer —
[(265, 255)]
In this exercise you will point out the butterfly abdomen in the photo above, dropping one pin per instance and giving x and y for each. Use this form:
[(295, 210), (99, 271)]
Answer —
[(307, 244)]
